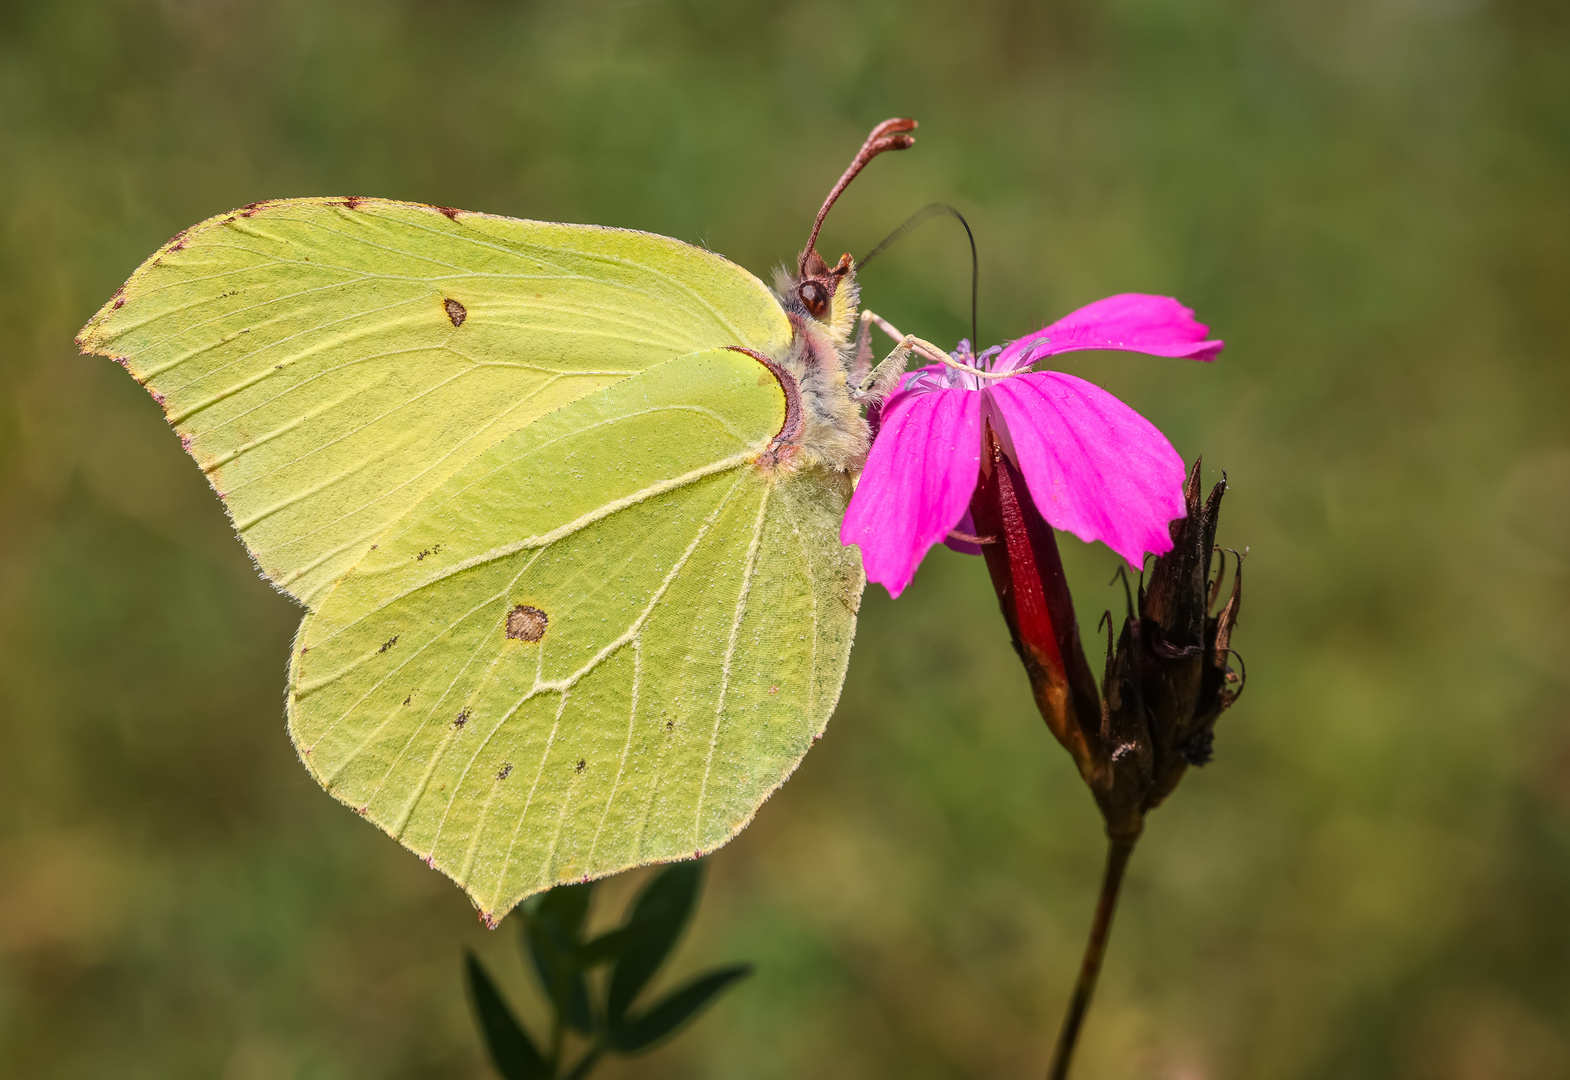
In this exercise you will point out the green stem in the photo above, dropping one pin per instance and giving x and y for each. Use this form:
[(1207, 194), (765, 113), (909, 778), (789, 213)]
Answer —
[(1118, 852), (558, 1037), (585, 1063)]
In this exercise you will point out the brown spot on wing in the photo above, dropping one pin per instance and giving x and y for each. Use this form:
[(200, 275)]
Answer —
[(456, 312), (352, 202), (451, 212), (525, 623)]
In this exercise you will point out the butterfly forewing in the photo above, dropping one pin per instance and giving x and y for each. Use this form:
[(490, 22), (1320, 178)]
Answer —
[(330, 362), (602, 642)]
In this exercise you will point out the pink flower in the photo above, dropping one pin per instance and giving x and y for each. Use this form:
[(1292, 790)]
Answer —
[(1094, 467)]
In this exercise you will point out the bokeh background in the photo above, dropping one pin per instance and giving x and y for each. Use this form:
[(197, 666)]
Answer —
[(1369, 199)]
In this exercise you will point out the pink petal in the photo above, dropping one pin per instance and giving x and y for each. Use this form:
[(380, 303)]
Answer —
[(917, 482), (1094, 466), (1135, 322)]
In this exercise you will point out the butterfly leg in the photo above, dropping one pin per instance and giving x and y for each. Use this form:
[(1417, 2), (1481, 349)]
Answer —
[(869, 319), (861, 364), (881, 381)]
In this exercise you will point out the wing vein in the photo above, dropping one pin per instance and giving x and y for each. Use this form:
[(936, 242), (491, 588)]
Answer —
[(730, 654), (621, 764)]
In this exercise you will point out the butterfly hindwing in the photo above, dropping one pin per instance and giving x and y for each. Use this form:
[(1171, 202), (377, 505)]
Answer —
[(601, 642), (329, 362)]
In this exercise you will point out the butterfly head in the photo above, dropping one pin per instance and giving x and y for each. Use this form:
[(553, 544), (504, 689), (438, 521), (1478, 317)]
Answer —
[(825, 294)]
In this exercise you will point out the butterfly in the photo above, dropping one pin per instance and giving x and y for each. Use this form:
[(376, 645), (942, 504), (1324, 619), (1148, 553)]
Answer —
[(561, 503)]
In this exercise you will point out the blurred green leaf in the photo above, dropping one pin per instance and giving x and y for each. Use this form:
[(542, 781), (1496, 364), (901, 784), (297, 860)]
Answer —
[(607, 946), (512, 1051), (658, 916), (552, 931), (585, 1064), (675, 1009), (567, 906)]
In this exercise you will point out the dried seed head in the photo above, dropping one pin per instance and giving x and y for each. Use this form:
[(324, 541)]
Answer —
[(1167, 679)]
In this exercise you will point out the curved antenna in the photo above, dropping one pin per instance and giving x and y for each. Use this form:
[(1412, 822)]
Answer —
[(886, 136), (927, 213)]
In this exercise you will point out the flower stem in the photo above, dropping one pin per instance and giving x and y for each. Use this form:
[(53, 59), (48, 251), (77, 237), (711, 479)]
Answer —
[(1118, 852)]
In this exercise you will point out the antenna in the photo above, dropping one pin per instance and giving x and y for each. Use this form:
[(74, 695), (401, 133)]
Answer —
[(927, 213), (886, 136)]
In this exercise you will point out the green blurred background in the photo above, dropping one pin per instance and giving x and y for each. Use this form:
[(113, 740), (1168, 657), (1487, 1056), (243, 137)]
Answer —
[(1369, 199)]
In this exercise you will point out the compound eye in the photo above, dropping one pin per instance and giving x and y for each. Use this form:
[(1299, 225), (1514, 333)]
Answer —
[(814, 297)]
